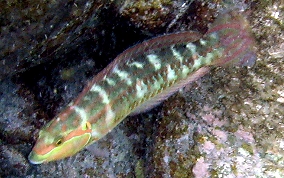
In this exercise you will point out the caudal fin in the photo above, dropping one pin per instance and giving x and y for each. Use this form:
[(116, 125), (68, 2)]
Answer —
[(235, 37)]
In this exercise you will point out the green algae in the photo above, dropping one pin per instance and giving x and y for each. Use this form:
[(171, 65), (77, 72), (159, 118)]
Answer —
[(139, 172), (248, 148)]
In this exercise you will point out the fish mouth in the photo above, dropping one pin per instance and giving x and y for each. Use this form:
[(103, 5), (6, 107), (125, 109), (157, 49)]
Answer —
[(35, 158)]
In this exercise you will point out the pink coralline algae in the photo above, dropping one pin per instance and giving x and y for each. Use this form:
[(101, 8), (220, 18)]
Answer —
[(200, 170)]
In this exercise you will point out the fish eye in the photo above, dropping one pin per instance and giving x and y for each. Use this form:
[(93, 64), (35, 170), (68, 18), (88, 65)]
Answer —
[(58, 142), (87, 126)]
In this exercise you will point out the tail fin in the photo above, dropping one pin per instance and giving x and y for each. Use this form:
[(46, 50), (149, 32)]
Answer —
[(234, 34)]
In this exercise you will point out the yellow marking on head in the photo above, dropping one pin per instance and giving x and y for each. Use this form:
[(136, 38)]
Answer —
[(62, 147), (86, 126)]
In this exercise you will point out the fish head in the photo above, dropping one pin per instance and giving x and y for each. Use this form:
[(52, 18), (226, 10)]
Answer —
[(59, 139)]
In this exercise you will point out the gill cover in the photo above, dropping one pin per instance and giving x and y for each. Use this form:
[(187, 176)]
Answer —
[(60, 148)]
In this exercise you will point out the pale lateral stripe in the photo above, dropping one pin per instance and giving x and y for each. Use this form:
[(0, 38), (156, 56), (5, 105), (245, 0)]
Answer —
[(86, 98), (123, 75), (110, 81), (154, 60), (70, 104), (109, 119), (82, 113), (203, 42), (156, 83), (138, 65), (96, 134), (191, 47), (109, 115), (102, 93), (176, 54), (198, 62), (203, 60), (170, 73), (141, 89), (209, 57), (185, 70), (213, 36)]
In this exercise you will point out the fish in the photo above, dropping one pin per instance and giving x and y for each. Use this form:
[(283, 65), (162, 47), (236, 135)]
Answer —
[(139, 79)]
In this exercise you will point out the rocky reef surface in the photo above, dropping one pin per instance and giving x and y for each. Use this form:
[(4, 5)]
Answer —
[(227, 124)]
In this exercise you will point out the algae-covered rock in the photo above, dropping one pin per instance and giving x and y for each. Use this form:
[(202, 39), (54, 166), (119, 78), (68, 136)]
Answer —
[(227, 124), (35, 32)]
